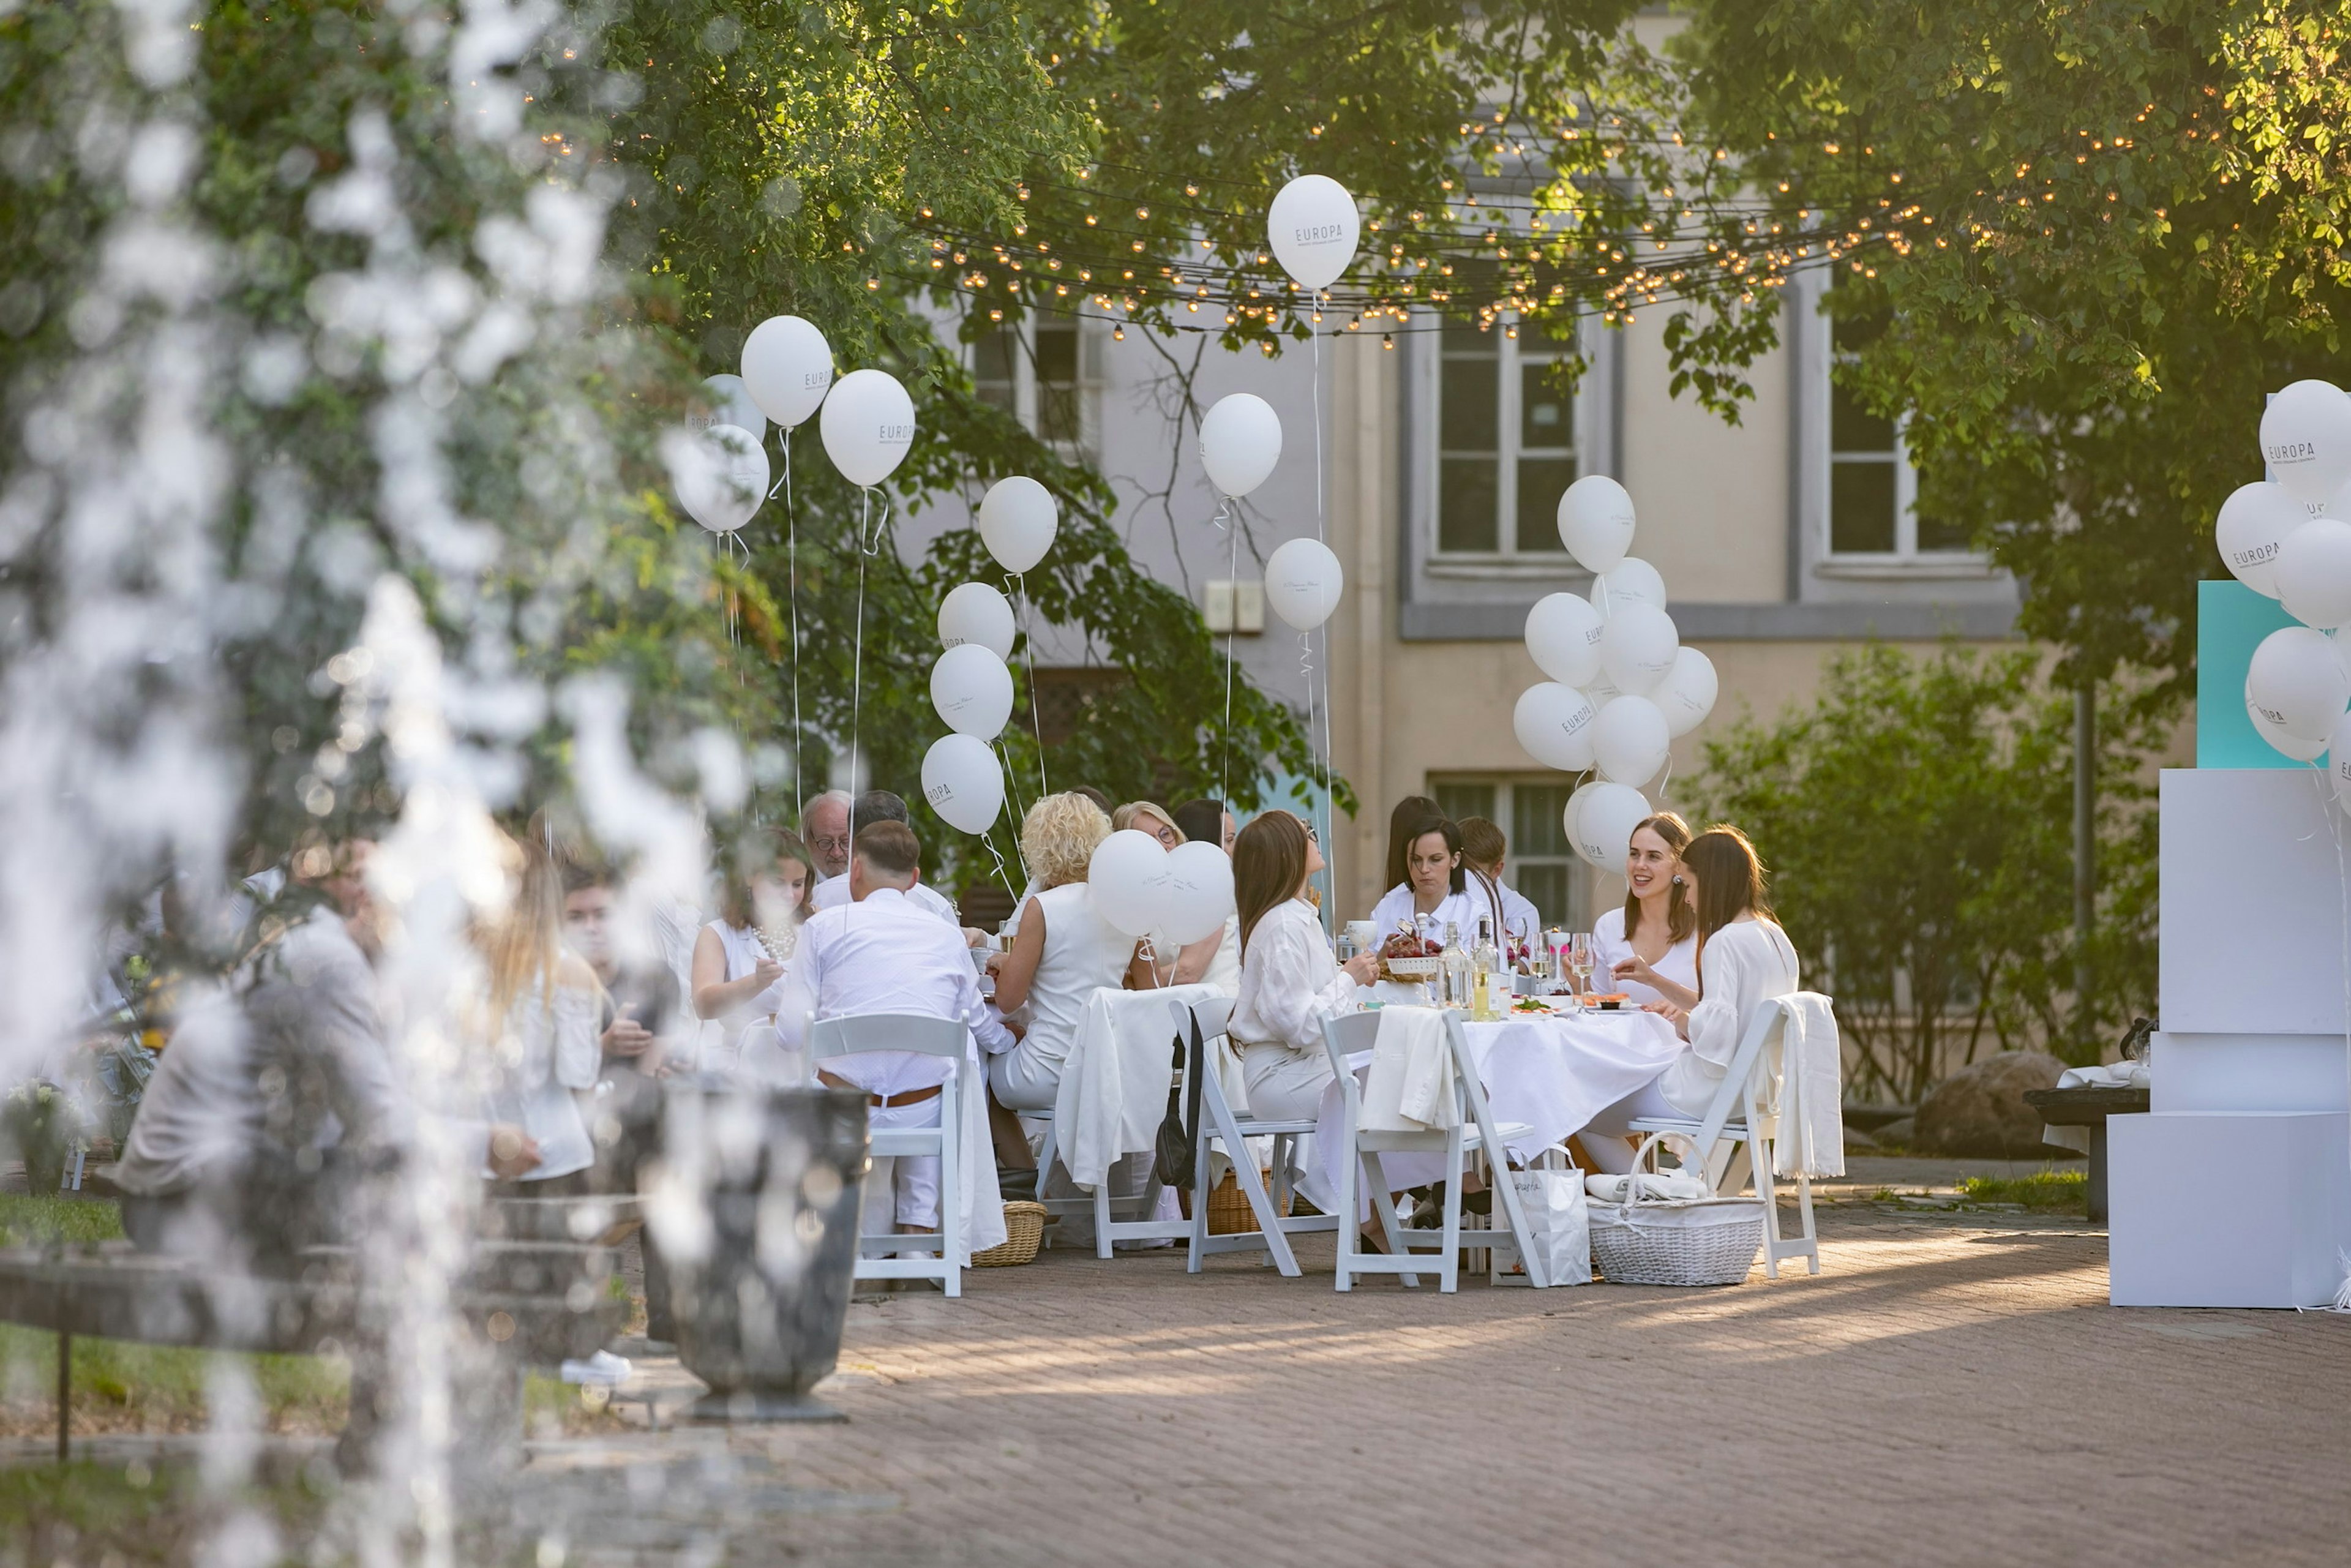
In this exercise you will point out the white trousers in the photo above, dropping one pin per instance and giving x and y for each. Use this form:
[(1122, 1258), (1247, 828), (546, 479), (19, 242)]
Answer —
[(1284, 1085), (1025, 1080), (1605, 1133), (904, 1188)]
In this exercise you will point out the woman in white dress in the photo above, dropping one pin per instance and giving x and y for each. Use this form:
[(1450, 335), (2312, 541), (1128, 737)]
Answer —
[(1744, 958), (1289, 980), (1648, 949), (544, 1017), (1063, 952), (1205, 821), (763, 899), (1433, 893)]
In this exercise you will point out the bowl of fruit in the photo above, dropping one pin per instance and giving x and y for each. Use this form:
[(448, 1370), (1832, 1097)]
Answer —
[(1408, 956)]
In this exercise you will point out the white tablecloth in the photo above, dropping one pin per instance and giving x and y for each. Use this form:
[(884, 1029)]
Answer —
[(1114, 1089), (1554, 1074)]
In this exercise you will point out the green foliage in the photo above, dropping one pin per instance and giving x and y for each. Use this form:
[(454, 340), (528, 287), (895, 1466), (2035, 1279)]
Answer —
[(30, 1221), (2102, 231), (2049, 1191), (1917, 820)]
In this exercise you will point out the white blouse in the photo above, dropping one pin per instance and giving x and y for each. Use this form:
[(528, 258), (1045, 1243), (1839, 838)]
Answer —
[(1747, 962), (1290, 980), (1609, 948), (1462, 909), (552, 1046)]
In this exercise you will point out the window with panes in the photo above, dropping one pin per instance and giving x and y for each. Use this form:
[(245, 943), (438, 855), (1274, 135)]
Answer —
[(1506, 439), (1873, 507), (1531, 813), (1045, 372)]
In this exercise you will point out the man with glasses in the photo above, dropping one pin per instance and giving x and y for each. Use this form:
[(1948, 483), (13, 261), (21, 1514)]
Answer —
[(824, 828)]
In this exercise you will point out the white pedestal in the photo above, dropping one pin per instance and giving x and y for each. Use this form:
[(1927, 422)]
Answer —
[(2250, 1209), (2236, 1190)]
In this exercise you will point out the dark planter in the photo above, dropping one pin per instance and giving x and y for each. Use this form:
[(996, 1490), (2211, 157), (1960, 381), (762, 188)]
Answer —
[(759, 1295)]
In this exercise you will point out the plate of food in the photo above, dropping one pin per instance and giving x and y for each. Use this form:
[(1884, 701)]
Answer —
[(1533, 1005), (1613, 1002)]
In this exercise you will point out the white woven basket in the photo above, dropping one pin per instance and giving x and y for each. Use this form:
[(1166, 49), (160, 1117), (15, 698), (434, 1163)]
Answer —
[(1662, 1241)]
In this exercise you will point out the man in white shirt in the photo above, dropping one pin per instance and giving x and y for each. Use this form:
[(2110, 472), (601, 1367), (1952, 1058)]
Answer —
[(881, 805), (881, 953), (824, 828)]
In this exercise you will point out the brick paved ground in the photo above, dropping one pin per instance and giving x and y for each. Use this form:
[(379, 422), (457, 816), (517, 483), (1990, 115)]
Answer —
[(1951, 1389)]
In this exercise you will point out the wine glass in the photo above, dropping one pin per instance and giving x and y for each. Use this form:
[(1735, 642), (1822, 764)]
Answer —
[(1579, 961)]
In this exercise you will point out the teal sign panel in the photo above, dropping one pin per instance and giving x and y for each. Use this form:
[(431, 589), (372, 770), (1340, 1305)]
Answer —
[(2231, 621)]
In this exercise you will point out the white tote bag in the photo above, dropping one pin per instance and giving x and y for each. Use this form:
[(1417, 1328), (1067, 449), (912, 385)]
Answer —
[(1559, 1222)]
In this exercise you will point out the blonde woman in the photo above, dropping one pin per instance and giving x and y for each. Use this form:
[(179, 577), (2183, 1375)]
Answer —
[(545, 1016), (1162, 963), (1064, 951)]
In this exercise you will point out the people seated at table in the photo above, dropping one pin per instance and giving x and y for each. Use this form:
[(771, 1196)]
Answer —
[(1064, 951), (881, 805), (1484, 850), (278, 1103), (1290, 980), (1161, 962), (1744, 958), (542, 1016), (881, 953), (764, 879), (1433, 893), (1648, 949), (824, 828)]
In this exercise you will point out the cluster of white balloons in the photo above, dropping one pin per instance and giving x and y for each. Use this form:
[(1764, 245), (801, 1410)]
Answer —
[(971, 683), (2290, 539), (718, 462), (1622, 685), (1241, 442), (1181, 896)]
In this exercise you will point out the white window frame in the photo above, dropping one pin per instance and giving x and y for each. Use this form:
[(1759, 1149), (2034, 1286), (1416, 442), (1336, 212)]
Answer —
[(1026, 388), (1589, 442)]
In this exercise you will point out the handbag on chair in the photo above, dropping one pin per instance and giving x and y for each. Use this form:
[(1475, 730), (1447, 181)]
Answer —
[(1173, 1148)]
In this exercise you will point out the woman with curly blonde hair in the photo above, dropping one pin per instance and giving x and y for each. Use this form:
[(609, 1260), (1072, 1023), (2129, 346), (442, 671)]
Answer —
[(1063, 950)]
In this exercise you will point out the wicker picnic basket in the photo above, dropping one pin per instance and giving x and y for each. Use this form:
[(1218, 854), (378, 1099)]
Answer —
[(1649, 1240), (1229, 1207), (1024, 1228)]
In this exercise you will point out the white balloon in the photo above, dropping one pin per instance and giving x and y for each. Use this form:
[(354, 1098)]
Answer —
[(1631, 581), (1567, 817), (2307, 440), (868, 425), (1017, 519), (2296, 684), (1199, 893), (964, 782), (1686, 694), (1637, 647), (972, 690), (1630, 740), (2292, 745), (1313, 228), (1595, 522), (787, 367), (1563, 638), (1553, 723), (730, 403), (1129, 876), (2338, 760), (1241, 441), (2314, 572), (1302, 581), (1604, 825), (975, 613), (720, 474), (2253, 528)]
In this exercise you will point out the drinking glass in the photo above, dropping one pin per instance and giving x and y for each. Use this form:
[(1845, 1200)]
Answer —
[(1579, 961), (1346, 944)]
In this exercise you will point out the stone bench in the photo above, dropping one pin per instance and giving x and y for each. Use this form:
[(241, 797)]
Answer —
[(2088, 1105), (530, 1301)]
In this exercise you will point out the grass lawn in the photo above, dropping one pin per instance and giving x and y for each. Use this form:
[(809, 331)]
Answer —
[(94, 1512), (2053, 1191)]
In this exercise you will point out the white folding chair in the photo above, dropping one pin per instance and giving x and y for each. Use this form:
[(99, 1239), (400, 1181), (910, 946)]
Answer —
[(1758, 1086), (829, 1037), (1473, 1132), (1219, 1123), (1107, 1228)]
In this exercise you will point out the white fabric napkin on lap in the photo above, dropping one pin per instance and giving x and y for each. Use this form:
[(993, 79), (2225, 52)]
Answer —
[(1410, 1086)]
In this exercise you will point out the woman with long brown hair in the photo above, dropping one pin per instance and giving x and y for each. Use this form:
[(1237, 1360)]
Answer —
[(1744, 958), (544, 1011), (1289, 980), (1648, 949)]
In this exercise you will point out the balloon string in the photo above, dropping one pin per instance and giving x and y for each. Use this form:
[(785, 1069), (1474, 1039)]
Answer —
[(1330, 813), (1232, 626), (1036, 706), (792, 585), (1002, 875), (857, 666)]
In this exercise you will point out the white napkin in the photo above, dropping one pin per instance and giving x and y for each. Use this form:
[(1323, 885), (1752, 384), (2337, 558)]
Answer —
[(1671, 1186), (1410, 1086)]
